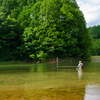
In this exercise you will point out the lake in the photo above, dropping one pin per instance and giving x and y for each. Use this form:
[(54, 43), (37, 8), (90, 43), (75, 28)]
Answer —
[(50, 82)]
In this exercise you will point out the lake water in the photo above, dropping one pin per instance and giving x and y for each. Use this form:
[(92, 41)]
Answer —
[(50, 82)]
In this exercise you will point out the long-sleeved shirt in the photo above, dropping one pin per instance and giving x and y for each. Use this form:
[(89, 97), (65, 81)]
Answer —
[(80, 65)]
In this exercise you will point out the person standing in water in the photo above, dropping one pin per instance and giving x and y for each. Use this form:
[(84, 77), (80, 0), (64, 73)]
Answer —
[(80, 65)]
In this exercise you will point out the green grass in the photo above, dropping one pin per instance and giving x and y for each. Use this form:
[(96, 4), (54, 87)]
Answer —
[(95, 58)]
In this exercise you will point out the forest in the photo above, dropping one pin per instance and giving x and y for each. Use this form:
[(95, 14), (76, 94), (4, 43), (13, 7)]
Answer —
[(95, 34), (43, 29)]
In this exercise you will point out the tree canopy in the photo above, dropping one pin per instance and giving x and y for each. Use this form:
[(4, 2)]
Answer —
[(95, 33), (41, 29)]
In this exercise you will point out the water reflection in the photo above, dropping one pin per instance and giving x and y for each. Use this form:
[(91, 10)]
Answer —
[(42, 68), (27, 68), (47, 82), (92, 92), (80, 72)]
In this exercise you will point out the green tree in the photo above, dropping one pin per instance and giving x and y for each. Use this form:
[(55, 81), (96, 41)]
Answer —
[(42, 29), (95, 31), (61, 29), (95, 34), (97, 46), (9, 38)]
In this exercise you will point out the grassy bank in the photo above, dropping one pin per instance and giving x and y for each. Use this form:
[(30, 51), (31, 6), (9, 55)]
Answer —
[(95, 58)]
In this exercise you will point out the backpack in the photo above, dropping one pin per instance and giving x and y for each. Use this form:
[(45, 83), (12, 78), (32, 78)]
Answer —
[(81, 65)]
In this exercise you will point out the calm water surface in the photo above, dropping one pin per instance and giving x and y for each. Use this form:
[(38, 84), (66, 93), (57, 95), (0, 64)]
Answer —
[(50, 82)]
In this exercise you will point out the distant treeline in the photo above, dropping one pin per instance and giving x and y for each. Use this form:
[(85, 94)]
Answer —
[(42, 29), (95, 33)]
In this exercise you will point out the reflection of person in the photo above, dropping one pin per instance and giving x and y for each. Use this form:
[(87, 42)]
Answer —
[(80, 73), (80, 69), (80, 64)]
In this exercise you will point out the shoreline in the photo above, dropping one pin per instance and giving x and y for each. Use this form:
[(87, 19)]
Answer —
[(52, 60)]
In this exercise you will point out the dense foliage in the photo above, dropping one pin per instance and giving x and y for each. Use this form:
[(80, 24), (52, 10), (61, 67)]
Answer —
[(95, 33), (42, 29)]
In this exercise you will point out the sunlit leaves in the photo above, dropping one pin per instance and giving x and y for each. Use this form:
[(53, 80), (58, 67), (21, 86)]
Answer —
[(39, 29)]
